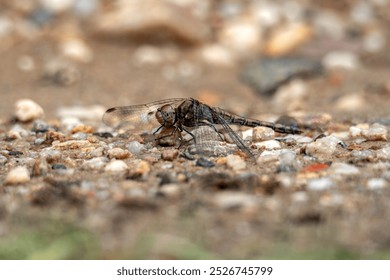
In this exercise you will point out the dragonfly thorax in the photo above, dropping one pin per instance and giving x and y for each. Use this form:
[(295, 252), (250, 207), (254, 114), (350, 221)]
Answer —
[(166, 115)]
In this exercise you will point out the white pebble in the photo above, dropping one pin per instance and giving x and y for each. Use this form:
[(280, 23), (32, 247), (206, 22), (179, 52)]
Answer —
[(299, 139), (17, 132), (325, 146), (341, 59), (27, 110), (148, 55), (267, 157), (341, 168), (320, 184), (235, 162), (287, 161), (93, 112), (241, 36), (351, 102), (247, 134), (366, 155), (57, 6), (269, 145), (135, 147), (3, 160), (376, 183), (18, 175), (262, 133), (383, 153), (299, 197), (116, 166), (217, 55), (228, 200), (355, 131), (96, 163), (376, 132), (77, 50), (170, 190)]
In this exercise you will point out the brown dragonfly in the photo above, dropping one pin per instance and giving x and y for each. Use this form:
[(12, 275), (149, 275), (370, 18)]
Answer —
[(177, 115)]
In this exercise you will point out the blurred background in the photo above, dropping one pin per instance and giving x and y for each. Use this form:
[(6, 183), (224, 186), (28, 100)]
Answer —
[(327, 60), (247, 56)]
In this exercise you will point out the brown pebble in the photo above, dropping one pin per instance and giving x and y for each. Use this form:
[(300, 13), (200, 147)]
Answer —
[(118, 153), (169, 154), (82, 128)]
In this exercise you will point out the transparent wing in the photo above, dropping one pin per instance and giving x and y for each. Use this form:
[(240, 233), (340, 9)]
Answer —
[(138, 116), (237, 139)]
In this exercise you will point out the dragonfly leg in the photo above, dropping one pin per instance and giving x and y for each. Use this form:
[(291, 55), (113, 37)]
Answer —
[(158, 129)]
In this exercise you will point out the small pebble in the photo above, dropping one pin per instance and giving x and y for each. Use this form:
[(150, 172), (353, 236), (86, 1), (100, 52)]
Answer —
[(136, 147), (341, 59), (291, 96), (95, 163), (323, 147), (351, 102), (40, 126), (229, 200), (355, 131), (363, 155), (269, 145), (82, 128), (383, 153), (58, 167), (93, 112), (170, 190), (376, 183), (204, 162), (235, 162), (76, 49), (15, 153), (217, 55), (170, 154), (17, 175), (287, 161), (27, 110), (286, 38), (247, 135), (118, 153), (242, 36), (320, 184), (40, 167), (262, 133), (343, 169), (51, 155), (299, 196), (139, 169), (3, 160), (17, 132), (376, 132), (79, 136), (268, 157), (116, 166)]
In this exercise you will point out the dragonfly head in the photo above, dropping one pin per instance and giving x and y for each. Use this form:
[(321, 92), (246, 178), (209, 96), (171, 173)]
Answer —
[(166, 115)]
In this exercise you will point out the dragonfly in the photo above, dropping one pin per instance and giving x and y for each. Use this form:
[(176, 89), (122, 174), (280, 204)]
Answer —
[(174, 116)]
